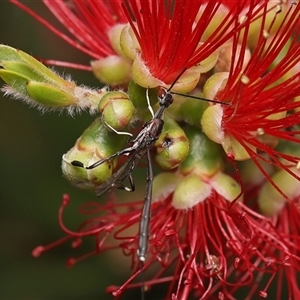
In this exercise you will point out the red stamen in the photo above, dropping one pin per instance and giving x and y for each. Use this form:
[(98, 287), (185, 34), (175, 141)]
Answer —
[(87, 23), (253, 104), (36, 252), (174, 42)]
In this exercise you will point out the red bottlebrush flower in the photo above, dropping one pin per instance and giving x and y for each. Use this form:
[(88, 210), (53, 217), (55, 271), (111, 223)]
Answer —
[(212, 248), (285, 216), (106, 219), (210, 251), (231, 3), (87, 23), (288, 225), (169, 35), (262, 114), (218, 252)]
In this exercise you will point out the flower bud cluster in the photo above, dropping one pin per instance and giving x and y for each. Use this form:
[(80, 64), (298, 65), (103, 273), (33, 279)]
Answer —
[(230, 154), (198, 176), (224, 66)]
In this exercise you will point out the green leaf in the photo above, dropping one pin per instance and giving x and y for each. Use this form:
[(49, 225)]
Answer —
[(46, 73), (8, 54), (23, 69), (17, 81), (49, 95)]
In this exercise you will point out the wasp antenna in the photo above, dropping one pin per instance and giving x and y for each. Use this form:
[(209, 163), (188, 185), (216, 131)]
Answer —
[(200, 98), (176, 79), (190, 96)]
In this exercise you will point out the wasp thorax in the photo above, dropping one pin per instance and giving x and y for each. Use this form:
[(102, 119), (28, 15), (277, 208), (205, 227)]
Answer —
[(165, 97)]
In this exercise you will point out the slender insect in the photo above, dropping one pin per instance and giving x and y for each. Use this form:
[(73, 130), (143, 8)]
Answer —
[(140, 147)]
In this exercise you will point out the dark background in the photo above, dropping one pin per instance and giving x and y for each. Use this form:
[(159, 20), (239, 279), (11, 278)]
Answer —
[(31, 184)]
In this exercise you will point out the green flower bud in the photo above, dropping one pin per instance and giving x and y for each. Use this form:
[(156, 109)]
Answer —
[(21, 68), (49, 95), (164, 184), (212, 126), (97, 142), (190, 191), (251, 175), (191, 111), (142, 76), (225, 57), (204, 158), (31, 81), (24, 64), (107, 142), (129, 43), (44, 72), (9, 54), (187, 81), (80, 177), (270, 200), (226, 186), (208, 63), (172, 146), (116, 109), (232, 146), (17, 81), (217, 20), (137, 95), (214, 84), (273, 20), (114, 35), (113, 70), (284, 52)]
